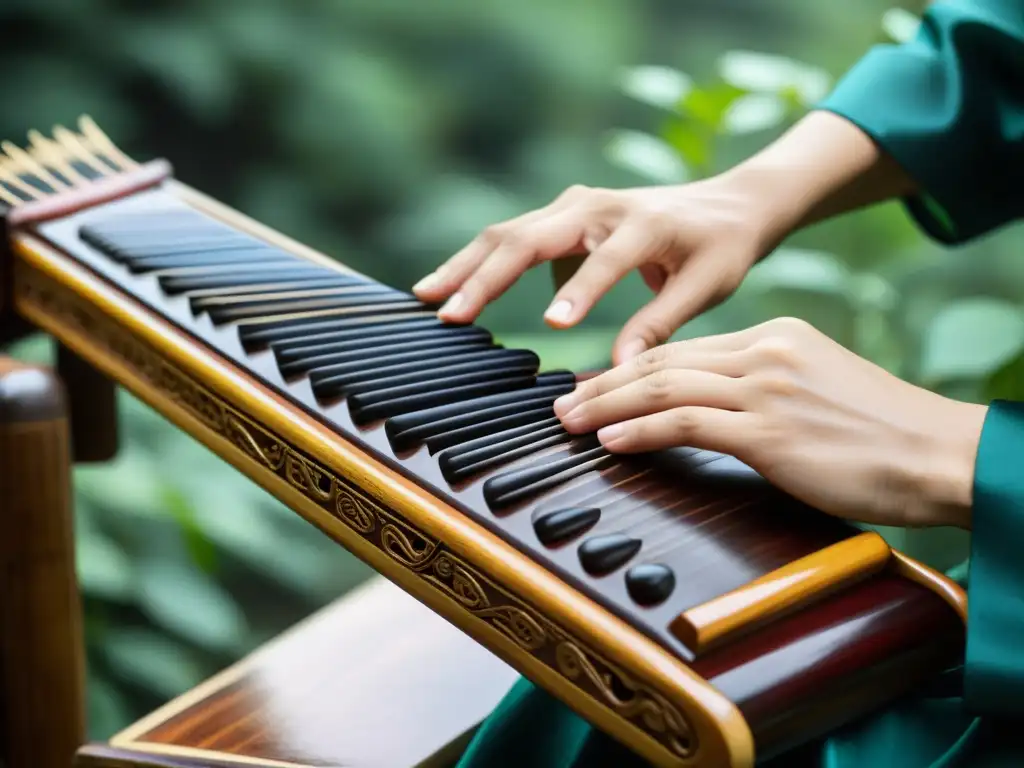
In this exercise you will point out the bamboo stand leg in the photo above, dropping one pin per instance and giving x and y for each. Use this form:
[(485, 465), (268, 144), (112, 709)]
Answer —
[(42, 708)]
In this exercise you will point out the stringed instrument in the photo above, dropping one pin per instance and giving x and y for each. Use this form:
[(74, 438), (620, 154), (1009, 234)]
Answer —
[(675, 600)]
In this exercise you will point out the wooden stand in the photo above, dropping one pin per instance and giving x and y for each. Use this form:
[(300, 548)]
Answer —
[(375, 679), (92, 406), (41, 645)]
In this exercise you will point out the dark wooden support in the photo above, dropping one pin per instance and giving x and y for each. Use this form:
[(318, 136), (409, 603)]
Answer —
[(92, 406), (41, 644)]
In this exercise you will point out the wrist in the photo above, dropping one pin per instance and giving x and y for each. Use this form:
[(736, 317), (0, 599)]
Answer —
[(822, 167), (943, 474)]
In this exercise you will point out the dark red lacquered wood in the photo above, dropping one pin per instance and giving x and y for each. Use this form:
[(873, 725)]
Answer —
[(96, 193), (814, 670)]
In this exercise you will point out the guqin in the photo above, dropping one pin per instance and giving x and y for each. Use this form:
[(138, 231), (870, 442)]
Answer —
[(675, 600)]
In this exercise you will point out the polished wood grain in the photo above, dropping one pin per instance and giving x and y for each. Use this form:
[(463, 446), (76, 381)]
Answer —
[(808, 672), (92, 406), (796, 585), (41, 644), (375, 679)]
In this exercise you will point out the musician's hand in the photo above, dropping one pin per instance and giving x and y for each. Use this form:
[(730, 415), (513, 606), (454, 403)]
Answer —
[(819, 422), (692, 244)]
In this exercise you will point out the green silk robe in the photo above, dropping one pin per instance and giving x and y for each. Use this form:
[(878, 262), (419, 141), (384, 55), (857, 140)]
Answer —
[(949, 107)]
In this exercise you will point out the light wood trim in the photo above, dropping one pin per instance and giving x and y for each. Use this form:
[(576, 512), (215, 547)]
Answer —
[(795, 585), (938, 583), (722, 734)]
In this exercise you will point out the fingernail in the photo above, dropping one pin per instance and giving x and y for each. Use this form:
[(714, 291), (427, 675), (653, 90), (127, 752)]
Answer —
[(633, 349), (565, 403), (559, 311), (610, 433), (428, 282), (452, 304)]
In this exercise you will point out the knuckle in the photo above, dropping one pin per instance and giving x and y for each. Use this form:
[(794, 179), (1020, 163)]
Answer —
[(651, 361), (603, 201), (776, 384), (493, 235), (588, 390), (794, 327), (514, 238), (649, 219), (573, 193), (660, 384), (778, 350), (683, 422), (656, 331)]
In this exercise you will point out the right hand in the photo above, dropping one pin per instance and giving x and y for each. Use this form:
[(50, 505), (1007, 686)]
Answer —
[(693, 244)]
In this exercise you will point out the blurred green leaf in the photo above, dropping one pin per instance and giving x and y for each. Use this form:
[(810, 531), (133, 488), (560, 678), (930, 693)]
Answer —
[(970, 338), (754, 112), (108, 710), (799, 269), (1007, 382), (104, 570), (130, 485), (692, 143), (761, 72), (662, 87), (709, 105), (152, 660), (647, 155), (585, 349), (204, 555), (901, 25), (185, 601), (188, 59)]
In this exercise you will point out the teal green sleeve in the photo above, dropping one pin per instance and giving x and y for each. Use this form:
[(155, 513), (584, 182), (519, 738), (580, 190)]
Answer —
[(948, 106), (994, 665)]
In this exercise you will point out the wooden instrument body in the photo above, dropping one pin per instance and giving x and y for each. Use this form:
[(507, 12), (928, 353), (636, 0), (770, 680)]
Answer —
[(796, 677)]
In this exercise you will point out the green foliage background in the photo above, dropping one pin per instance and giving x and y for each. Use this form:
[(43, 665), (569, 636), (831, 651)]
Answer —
[(387, 133)]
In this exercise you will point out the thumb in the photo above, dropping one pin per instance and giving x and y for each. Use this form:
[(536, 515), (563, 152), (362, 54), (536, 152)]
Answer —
[(705, 281)]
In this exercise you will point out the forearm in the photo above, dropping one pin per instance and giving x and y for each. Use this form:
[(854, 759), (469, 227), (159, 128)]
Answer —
[(823, 167)]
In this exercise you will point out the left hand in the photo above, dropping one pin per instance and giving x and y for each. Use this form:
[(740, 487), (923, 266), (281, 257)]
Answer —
[(814, 419)]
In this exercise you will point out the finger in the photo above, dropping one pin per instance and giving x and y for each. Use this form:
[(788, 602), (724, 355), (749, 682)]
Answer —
[(709, 429), (446, 279), (704, 281), (542, 240), (711, 354), (662, 391), (626, 248)]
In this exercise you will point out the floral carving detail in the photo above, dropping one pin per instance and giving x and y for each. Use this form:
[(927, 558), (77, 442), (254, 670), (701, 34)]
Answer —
[(356, 512), (630, 699), (517, 624), (411, 550), (469, 588), (270, 454)]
